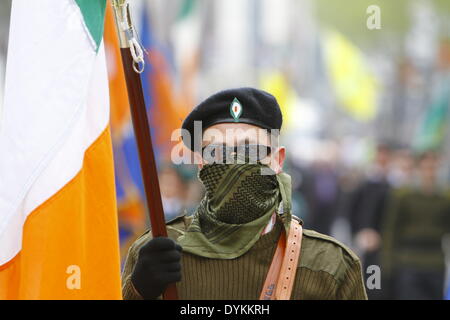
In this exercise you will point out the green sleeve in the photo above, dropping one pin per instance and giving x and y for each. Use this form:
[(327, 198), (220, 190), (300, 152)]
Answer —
[(389, 233), (352, 285), (128, 290)]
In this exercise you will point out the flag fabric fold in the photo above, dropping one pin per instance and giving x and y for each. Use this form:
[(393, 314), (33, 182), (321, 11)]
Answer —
[(58, 219)]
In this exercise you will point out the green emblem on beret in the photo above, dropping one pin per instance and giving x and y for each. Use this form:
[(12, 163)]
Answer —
[(236, 109)]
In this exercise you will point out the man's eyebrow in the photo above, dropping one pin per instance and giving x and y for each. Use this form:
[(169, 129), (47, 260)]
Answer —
[(245, 141), (258, 140)]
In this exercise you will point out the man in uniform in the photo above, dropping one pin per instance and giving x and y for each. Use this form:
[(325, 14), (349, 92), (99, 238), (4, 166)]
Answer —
[(224, 250), (368, 209), (417, 219)]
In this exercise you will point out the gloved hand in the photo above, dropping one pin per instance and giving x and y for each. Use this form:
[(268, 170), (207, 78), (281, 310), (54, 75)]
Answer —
[(158, 266)]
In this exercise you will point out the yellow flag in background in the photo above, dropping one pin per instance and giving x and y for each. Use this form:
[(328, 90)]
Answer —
[(354, 84), (277, 84)]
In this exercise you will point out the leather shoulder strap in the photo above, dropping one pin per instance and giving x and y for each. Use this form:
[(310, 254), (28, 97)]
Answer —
[(281, 275), (290, 261), (268, 291)]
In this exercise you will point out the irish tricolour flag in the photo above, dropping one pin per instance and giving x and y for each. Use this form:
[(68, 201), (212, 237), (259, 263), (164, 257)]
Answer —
[(58, 221)]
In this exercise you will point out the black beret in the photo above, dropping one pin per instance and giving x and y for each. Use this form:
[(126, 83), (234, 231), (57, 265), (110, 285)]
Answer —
[(241, 105)]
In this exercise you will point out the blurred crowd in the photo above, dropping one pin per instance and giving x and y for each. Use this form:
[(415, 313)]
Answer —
[(395, 214)]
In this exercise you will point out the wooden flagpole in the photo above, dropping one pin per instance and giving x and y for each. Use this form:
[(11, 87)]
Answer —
[(133, 64)]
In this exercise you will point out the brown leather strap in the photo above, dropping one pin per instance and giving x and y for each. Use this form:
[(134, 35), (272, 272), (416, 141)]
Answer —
[(268, 291), (290, 262), (280, 278)]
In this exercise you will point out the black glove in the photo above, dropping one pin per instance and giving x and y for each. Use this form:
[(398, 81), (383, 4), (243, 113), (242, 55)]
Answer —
[(158, 266)]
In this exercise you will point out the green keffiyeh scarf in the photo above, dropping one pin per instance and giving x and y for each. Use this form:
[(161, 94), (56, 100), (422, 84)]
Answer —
[(237, 206)]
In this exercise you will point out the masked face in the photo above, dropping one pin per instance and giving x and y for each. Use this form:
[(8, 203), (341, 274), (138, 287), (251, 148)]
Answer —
[(221, 141), (239, 193)]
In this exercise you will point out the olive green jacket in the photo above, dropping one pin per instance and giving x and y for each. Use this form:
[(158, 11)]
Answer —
[(327, 269)]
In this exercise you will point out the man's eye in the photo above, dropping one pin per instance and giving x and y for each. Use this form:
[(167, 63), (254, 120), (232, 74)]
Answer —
[(213, 153)]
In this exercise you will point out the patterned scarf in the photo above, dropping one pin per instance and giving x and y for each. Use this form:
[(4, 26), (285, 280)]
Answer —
[(237, 206)]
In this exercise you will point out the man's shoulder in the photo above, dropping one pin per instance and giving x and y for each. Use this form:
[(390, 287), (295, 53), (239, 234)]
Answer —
[(175, 228), (322, 253)]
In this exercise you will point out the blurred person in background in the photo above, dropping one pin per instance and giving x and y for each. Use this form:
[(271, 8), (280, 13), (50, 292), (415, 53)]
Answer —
[(194, 194), (299, 205), (418, 217), (173, 189), (180, 190), (368, 208), (402, 168), (321, 190)]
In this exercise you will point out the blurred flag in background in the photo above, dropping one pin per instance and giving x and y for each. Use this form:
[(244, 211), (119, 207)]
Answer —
[(354, 84), (129, 186), (432, 130), (165, 110)]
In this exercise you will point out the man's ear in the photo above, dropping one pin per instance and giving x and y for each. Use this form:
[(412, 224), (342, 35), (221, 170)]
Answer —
[(278, 159)]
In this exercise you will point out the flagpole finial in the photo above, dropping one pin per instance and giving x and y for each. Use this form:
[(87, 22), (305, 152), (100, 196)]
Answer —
[(125, 30)]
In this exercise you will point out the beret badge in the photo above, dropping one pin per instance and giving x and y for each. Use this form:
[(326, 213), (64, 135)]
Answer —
[(236, 109)]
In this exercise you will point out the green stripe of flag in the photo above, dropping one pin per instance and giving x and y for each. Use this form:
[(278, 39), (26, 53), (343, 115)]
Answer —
[(93, 12), (187, 8)]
